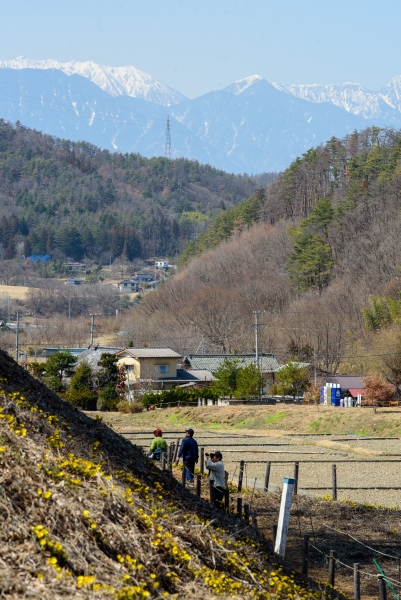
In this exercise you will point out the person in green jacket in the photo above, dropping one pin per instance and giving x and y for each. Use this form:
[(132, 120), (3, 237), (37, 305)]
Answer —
[(158, 445)]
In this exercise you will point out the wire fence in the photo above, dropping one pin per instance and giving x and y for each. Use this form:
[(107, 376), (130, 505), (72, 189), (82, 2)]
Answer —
[(250, 517)]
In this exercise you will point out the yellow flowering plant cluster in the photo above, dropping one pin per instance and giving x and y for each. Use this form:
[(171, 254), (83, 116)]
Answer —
[(159, 550), (58, 556), (60, 469), (14, 424)]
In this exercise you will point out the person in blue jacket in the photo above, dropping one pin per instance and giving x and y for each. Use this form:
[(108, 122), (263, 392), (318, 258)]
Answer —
[(189, 453)]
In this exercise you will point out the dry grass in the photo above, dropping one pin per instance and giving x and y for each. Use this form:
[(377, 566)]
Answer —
[(16, 292), (85, 515), (278, 420)]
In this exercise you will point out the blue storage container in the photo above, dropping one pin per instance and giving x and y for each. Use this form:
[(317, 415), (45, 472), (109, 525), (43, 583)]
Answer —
[(335, 396)]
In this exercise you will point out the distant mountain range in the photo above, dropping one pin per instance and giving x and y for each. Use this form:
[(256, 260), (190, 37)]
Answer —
[(250, 126), (117, 81)]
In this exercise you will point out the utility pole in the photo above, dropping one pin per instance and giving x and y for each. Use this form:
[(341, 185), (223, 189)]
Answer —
[(314, 365), (167, 151), (257, 314), (69, 308), (93, 327), (129, 389), (16, 339)]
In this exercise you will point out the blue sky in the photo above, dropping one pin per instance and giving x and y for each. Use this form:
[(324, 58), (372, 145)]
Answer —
[(197, 46)]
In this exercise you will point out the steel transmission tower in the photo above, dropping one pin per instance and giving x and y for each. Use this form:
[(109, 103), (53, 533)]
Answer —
[(167, 152)]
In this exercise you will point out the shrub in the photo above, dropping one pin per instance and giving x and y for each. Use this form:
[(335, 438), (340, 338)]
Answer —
[(123, 406), (55, 384), (84, 399), (108, 398), (126, 407), (82, 378), (178, 396)]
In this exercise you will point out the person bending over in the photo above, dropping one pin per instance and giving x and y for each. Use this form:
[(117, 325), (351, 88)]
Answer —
[(189, 453), (217, 475), (158, 445)]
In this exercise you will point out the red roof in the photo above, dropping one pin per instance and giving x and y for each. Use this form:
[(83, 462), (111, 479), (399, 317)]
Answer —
[(355, 391)]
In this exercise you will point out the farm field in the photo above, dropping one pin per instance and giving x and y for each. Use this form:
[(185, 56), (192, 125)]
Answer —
[(367, 469), (16, 292), (329, 524)]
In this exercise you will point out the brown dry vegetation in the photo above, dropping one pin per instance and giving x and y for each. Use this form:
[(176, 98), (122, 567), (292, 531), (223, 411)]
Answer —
[(214, 296), (16, 292), (274, 420), (84, 515)]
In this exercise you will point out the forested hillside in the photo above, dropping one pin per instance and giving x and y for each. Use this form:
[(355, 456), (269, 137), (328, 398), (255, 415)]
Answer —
[(325, 237), (75, 200)]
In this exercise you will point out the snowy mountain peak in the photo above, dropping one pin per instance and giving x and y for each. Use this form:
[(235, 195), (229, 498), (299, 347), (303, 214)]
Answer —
[(241, 85), (117, 81), (391, 93), (354, 98)]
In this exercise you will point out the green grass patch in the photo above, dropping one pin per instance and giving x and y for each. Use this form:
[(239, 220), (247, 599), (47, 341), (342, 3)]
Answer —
[(275, 418), (243, 424), (315, 425)]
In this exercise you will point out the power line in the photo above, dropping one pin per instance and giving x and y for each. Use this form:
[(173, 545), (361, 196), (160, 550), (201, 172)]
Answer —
[(121, 119)]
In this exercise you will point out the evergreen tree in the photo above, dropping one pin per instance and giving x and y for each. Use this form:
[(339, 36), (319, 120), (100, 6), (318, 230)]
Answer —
[(249, 382), (61, 364), (293, 378), (226, 377), (109, 371), (108, 398), (10, 250), (310, 263), (320, 219), (82, 378)]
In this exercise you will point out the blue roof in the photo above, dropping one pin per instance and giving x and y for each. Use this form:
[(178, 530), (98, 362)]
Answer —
[(40, 257)]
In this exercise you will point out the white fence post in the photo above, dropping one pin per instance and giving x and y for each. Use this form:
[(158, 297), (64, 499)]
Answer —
[(284, 516)]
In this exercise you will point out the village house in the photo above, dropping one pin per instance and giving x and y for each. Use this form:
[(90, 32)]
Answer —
[(149, 363), (161, 264), (129, 286), (144, 278), (155, 368), (74, 266), (206, 364)]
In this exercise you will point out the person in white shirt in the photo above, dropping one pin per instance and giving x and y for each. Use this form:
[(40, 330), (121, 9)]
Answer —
[(217, 475)]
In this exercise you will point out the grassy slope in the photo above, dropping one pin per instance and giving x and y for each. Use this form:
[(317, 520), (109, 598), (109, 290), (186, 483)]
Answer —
[(84, 515), (273, 419), (16, 292)]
